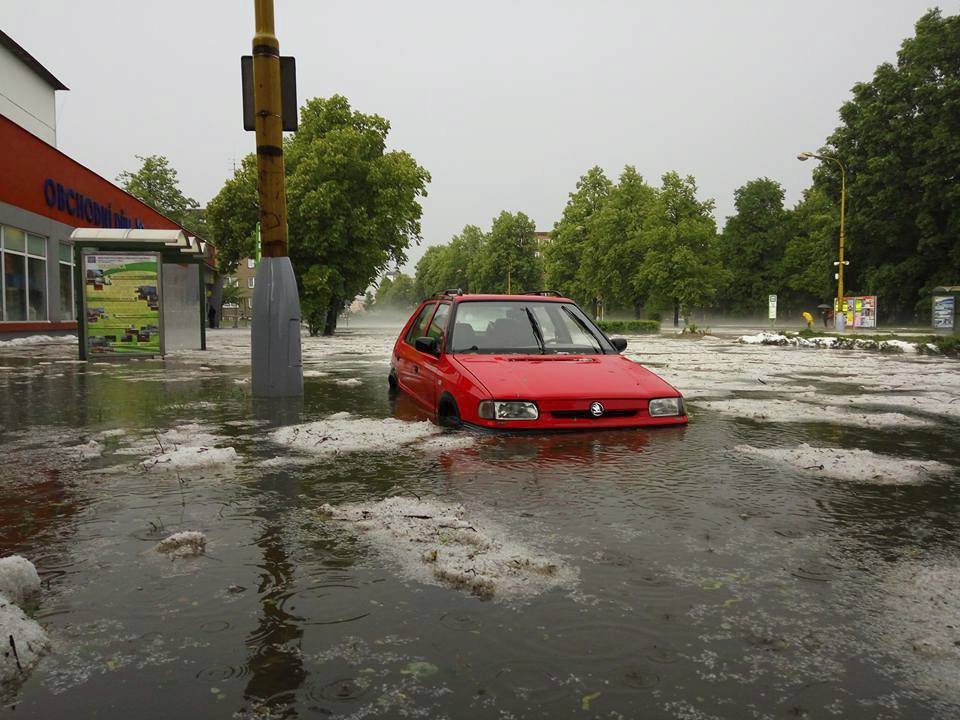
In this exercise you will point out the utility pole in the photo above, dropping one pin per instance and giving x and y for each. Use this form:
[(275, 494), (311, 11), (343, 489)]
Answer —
[(276, 365)]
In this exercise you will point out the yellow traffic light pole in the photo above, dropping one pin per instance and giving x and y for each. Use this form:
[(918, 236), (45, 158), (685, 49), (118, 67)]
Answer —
[(275, 354), (268, 124), (843, 204)]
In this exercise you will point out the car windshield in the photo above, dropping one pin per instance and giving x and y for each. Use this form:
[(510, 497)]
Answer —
[(524, 327)]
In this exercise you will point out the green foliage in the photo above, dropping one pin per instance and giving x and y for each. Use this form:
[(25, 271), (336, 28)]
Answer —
[(507, 258), (229, 294), (353, 207), (563, 255), (453, 265), (677, 254), (630, 327), (900, 141), (752, 246), (396, 294), (232, 216), (156, 184)]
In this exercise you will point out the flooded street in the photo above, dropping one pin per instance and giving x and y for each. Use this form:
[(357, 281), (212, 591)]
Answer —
[(793, 552)]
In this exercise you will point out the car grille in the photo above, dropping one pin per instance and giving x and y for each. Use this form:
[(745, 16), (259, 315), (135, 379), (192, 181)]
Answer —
[(585, 414)]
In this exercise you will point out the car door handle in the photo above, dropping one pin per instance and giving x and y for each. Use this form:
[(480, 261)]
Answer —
[(416, 369)]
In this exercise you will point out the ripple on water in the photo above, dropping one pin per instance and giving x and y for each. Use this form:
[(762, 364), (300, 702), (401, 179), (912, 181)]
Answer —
[(597, 641), (341, 690), (323, 604), (461, 621), (222, 672), (536, 680)]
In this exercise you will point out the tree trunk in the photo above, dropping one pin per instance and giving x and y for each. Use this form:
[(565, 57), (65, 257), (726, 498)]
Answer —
[(676, 312), (333, 310)]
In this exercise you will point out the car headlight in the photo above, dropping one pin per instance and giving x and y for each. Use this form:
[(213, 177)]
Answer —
[(508, 410), (665, 407)]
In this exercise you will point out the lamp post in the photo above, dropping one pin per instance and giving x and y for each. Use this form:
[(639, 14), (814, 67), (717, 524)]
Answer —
[(276, 369), (803, 157)]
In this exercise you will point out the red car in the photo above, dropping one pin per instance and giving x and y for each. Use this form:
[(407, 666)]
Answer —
[(524, 362)]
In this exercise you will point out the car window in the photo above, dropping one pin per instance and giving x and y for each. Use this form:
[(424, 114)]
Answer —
[(439, 323), (419, 327), (512, 326)]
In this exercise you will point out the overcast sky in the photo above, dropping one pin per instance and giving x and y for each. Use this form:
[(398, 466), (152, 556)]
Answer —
[(505, 103)]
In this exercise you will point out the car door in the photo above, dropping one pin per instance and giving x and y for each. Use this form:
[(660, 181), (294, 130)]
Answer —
[(406, 357), (430, 374)]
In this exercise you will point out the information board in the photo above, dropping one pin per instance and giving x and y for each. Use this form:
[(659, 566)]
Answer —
[(860, 311), (121, 303), (944, 307), (772, 307)]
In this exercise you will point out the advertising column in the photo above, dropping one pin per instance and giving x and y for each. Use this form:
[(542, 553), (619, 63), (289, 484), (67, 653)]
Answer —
[(121, 304)]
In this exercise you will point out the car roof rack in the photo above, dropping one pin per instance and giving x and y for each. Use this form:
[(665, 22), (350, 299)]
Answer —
[(544, 293), (446, 293)]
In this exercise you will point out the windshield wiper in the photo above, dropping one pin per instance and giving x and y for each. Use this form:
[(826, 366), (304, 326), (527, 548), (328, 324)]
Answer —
[(583, 326), (536, 331)]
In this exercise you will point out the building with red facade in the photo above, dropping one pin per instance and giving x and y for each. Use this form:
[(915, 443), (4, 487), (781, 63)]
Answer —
[(44, 196)]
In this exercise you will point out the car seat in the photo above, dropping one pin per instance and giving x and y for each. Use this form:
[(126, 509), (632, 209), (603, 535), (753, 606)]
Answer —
[(465, 335)]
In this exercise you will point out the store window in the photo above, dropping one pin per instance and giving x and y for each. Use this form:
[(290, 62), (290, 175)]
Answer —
[(23, 287), (36, 277), (66, 282)]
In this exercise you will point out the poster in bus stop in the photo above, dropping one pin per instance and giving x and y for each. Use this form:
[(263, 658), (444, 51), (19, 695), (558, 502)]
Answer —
[(861, 311), (121, 303)]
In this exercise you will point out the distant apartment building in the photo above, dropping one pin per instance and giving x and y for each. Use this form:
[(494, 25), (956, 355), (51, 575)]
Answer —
[(542, 238), (244, 279)]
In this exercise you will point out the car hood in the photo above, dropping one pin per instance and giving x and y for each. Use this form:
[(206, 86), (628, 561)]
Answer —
[(563, 376)]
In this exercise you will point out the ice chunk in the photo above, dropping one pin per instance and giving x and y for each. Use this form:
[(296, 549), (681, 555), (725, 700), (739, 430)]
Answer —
[(339, 434), (18, 579), (853, 465), (436, 543), (183, 544), (22, 634), (191, 457), (792, 411), (349, 382)]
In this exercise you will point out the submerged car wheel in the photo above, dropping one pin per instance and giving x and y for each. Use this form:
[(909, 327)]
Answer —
[(448, 414), (392, 383)]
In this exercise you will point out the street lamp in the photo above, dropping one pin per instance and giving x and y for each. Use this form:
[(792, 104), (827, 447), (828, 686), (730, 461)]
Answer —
[(803, 157)]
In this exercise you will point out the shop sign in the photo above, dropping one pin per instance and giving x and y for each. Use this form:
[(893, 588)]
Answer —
[(76, 204)]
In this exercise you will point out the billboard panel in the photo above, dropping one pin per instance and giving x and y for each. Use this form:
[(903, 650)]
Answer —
[(943, 311), (121, 303)]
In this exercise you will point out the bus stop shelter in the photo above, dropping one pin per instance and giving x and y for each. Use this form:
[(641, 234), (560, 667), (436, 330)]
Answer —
[(138, 292)]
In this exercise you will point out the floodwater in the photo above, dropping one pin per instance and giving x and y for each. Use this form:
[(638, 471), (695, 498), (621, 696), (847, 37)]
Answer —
[(721, 570)]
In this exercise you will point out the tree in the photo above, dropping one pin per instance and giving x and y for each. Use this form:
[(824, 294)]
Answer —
[(396, 294), (156, 184), (900, 141), (679, 261), (453, 265), (615, 245), (507, 259), (752, 246), (806, 268), (563, 256), (232, 216), (353, 207)]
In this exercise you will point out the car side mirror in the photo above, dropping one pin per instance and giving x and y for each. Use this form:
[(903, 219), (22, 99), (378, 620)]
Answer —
[(427, 345), (619, 343)]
